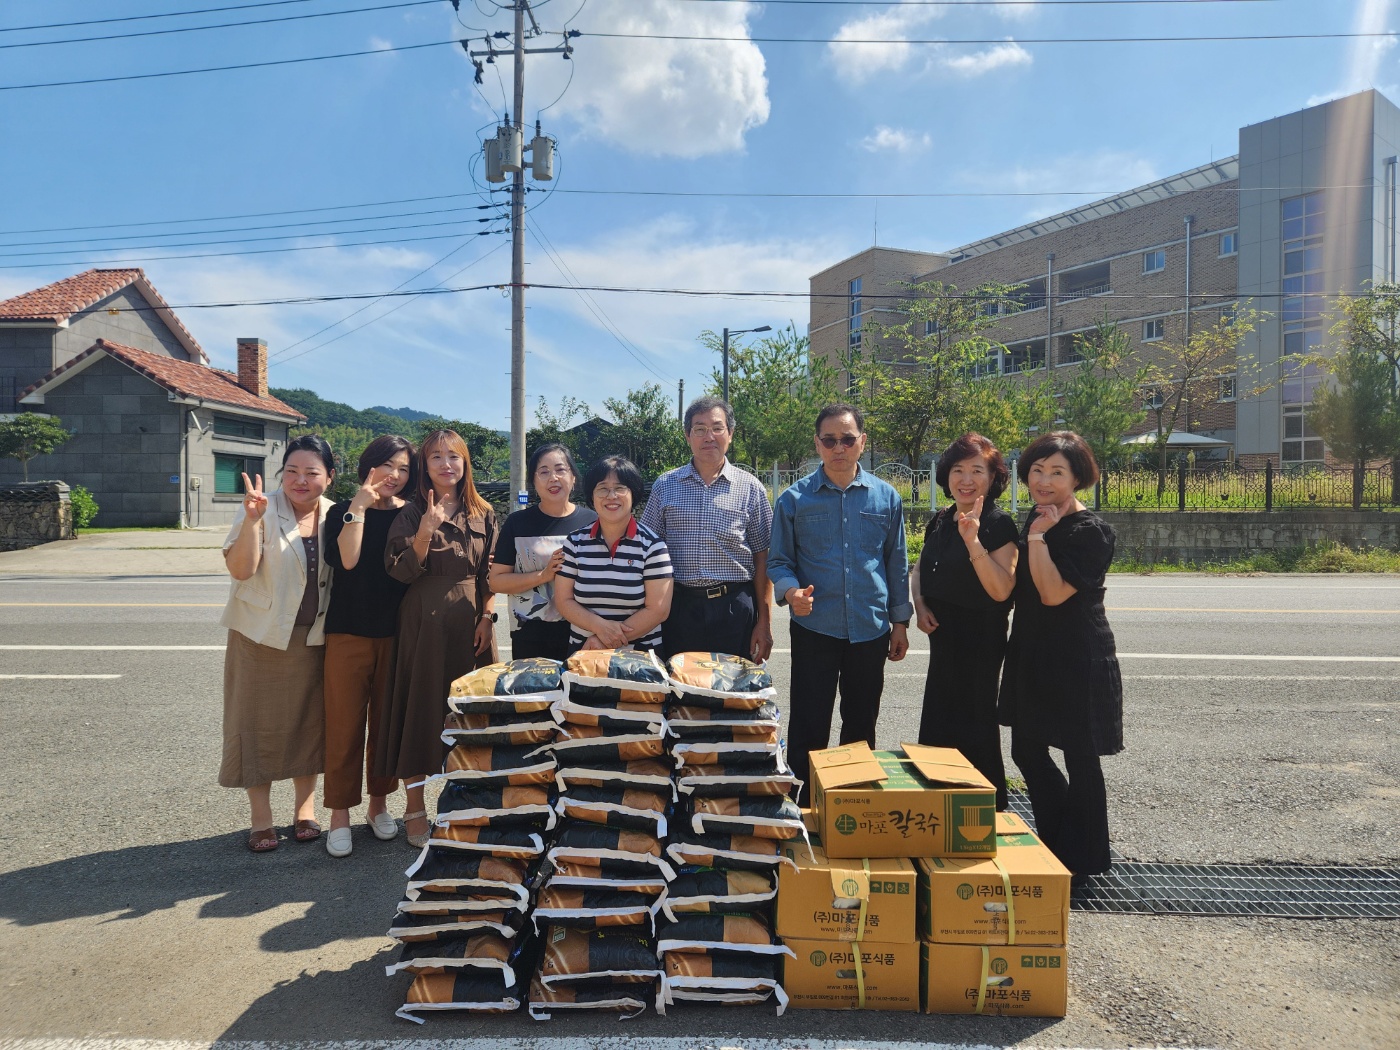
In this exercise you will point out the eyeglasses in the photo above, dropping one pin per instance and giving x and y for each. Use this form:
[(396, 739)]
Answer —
[(617, 493), (557, 472), (845, 441), (704, 432)]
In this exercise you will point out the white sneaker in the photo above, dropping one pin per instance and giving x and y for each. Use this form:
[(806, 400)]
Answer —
[(339, 843)]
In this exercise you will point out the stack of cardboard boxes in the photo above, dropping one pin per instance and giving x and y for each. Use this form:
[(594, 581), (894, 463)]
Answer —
[(917, 894)]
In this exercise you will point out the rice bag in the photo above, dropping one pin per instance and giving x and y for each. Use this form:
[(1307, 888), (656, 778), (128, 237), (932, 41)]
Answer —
[(536, 676), (608, 666), (717, 934), (744, 852), (473, 804), (448, 871), (590, 843), (518, 843), (480, 951), (619, 715), (617, 807), (642, 772), (487, 730), (688, 716), (725, 733), (738, 978), (717, 673), (585, 745), (712, 891), (521, 764), (763, 816), (728, 779), (475, 990), (616, 996), (590, 909), (763, 754), (608, 875), (573, 956), (454, 925)]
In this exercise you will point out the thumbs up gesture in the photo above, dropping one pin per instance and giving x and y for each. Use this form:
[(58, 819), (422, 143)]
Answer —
[(799, 599)]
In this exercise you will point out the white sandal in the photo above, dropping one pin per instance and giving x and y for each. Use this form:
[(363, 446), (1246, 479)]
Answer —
[(418, 841), (339, 842), (384, 826)]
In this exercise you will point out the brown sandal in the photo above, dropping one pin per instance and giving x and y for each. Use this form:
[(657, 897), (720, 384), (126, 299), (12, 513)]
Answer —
[(307, 831), (262, 840)]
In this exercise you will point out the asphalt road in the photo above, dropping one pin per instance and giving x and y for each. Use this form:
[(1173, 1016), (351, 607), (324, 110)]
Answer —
[(1261, 726)]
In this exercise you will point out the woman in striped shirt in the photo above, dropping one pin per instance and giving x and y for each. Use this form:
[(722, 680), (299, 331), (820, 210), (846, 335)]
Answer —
[(615, 584)]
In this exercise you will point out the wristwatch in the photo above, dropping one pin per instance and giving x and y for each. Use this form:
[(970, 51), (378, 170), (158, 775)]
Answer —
[(351, 518), (492, 616)]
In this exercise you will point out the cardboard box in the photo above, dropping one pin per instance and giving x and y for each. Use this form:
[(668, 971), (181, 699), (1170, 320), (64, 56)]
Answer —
[(1024, 888), (823, 975), (918, 802), (845, 900), (1013, 982)]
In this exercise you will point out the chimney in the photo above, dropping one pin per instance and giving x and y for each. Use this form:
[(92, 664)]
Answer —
[(252, 366)]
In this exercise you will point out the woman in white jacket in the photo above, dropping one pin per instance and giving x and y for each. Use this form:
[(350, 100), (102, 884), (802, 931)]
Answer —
[(274, 726)]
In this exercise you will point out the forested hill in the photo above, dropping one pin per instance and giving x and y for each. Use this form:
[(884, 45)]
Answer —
[(322, 414), (411, 414)]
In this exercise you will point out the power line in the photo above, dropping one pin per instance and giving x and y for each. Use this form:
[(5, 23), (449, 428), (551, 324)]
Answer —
[(143, 18), (950, 42), (217, 25), (979, 3)]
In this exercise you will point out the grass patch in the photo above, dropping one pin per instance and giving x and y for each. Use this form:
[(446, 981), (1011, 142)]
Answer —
[(1327, 556)]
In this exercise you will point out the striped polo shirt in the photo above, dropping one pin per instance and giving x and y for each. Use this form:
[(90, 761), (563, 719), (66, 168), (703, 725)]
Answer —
[(612, 582)]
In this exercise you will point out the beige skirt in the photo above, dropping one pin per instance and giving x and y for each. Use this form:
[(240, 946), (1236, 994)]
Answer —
[(274, 717)]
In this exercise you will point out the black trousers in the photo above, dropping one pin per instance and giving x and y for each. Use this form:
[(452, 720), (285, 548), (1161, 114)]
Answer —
[(821, 664), (710, 625), (968, 723), (540, 638), (1071, 814)]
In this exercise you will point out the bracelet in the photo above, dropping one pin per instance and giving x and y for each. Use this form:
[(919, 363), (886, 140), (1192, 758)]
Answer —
[(978, 557), (1036, 536)]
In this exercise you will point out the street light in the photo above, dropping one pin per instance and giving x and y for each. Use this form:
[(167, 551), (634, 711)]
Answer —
[(741, 331)]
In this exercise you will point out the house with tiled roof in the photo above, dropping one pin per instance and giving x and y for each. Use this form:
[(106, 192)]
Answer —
[(159, 436)]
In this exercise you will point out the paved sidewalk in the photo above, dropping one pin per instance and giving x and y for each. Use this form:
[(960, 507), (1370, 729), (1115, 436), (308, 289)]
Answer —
[(147, 552)]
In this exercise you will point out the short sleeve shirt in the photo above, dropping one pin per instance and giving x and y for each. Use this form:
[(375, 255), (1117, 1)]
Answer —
[(528, 540), (612, 581)]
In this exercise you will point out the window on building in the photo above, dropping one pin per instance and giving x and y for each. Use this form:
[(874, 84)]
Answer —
[(1084, 282), (1031, 295), (1154, 261), (229, 471), (1154, 330), (1067, 349), (1228, 245), (1227, 388), (1301, 444), (232, 426), (854, 315), (1024, 357), (930, 328)]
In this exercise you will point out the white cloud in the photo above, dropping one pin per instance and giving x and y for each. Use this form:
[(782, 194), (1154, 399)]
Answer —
[(380, 44), (895, 140), (978, 63), (1366, 54), (857, 63), (679, 98)]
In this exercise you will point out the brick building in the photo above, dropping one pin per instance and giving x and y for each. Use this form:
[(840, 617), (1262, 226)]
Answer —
[(1307, 207), (159, 437)]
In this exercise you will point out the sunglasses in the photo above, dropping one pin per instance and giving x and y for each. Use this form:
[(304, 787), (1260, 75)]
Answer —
[(845, 441)]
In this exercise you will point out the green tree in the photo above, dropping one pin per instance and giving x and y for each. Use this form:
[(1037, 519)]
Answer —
[(30, 434), (1100, 400), (1371, 322), (776, 389), (554, 424), (1358, 416), (645, 431), (490, 451), (914, 398), (1005, 410)]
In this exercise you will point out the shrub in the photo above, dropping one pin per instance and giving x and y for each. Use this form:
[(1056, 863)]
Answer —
[(84, 506)]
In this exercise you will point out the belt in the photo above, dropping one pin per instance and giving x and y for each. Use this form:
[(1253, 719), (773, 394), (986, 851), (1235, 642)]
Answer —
[(718, 590)]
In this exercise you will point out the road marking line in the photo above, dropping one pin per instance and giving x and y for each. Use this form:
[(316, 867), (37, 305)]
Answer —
[(1283, 659), (111, 648), (112, 605), (577, 1042), (8, 676), (1259, 678), (1314, 612)]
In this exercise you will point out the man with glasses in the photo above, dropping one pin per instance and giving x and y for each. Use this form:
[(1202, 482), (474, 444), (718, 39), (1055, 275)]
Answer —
[(838, 561), (715, 520)]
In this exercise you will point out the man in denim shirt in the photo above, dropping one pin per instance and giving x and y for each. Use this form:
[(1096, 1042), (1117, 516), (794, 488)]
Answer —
[(837, 559)]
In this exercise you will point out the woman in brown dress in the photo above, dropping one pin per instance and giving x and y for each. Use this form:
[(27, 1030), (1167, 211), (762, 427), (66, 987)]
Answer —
[(276, 616), (439, 545)]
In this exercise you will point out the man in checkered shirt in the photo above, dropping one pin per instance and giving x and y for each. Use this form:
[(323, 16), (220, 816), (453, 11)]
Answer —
[(715, 519)]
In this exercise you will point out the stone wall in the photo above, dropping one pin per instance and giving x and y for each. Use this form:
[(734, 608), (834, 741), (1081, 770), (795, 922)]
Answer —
[(34, 512), (1196, 536)]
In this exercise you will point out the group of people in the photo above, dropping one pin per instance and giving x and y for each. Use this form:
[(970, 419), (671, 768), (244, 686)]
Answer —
[(348, 622)]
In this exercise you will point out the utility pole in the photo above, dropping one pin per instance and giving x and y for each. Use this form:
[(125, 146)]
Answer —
[(505, 154), (680, 402)]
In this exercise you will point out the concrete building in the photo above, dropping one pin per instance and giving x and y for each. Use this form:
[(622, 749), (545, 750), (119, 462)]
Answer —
[(1307, 208), (159, 437)]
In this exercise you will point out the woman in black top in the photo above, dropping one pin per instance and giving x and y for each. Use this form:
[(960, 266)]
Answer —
[(962, 598), (531, 550), (1062, 687), (360, 627)]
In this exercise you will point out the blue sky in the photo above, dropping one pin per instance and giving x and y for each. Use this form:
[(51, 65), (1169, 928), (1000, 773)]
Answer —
[(995, 120)]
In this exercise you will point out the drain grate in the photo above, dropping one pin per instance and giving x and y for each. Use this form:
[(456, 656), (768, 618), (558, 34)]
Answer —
[(1280, 890)]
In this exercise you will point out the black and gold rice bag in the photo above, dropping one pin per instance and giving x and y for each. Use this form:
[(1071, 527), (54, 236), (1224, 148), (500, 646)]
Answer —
[(572, 956), (487, 764), (491, 805)]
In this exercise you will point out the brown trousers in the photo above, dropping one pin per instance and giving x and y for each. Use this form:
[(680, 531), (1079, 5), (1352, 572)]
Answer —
[(356, 687)]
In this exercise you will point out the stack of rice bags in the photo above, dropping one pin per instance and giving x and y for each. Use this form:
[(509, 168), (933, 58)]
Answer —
[(463, 917), (736, 807), (606, 868)]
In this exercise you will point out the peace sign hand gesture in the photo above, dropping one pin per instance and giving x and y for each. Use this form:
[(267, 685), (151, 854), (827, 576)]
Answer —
[(433, 517), (254, 502), (969, 523)]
